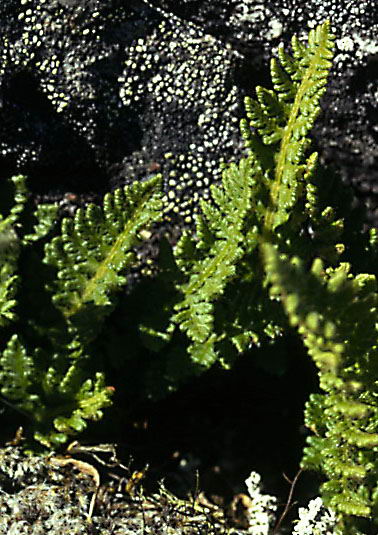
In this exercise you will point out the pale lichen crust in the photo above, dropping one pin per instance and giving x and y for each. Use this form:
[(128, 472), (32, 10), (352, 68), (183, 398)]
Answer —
[(156, 85)]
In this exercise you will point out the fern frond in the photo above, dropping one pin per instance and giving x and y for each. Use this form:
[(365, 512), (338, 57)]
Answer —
[(213, 264), (95, 248), (9, 251), (46, 216), (87, 405), (283, 118), (8, 286), (17, 372), (336, 315), (54, 385), (42, 395), (20, 198), (244, 212)]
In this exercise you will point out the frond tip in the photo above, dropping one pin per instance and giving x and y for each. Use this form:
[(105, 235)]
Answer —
[(283, 118)]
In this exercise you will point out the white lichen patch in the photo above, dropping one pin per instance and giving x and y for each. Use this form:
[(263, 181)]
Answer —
[(264, 507), (345, 43), (315, 520), (365, 46)]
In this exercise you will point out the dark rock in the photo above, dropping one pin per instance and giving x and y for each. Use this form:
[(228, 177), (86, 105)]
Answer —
[(98, 93)]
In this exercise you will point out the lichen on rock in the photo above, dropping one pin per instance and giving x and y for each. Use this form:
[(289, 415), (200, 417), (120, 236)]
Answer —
[(98, 93), (38, 496)]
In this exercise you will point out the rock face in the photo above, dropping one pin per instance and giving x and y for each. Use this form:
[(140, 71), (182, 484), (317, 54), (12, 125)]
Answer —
[(97, 93), (66, 496)]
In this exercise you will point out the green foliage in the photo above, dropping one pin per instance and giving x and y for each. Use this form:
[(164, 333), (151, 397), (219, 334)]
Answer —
[(284, 117), (94, 252), (9, 252), (257, 196), (271, 251), (210, 261), (45, 367), (336, 315), (16, 376), (264, 226), (334, 311)]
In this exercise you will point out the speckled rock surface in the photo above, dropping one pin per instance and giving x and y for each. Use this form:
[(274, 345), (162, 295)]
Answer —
[(97, 93), (65, 496)]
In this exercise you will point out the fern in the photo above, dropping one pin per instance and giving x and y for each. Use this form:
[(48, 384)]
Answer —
[(211, 260), (16, 375), (269, 252), (336, 315), (45, 369), (285, 116), (9, 252), (262, 243), (256, 197), (333, 311), (94, 251), (46, 216)]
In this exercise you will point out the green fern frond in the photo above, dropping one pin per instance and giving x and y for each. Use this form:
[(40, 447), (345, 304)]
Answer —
[(9, 251), (42, 395), (283, 118), (336, 315), (95, 248), (8, 287), (20, 198), (17, 373), (46, 216), (255, 197), (211, 261), (54, 385), (90, 399), (91, 255)]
